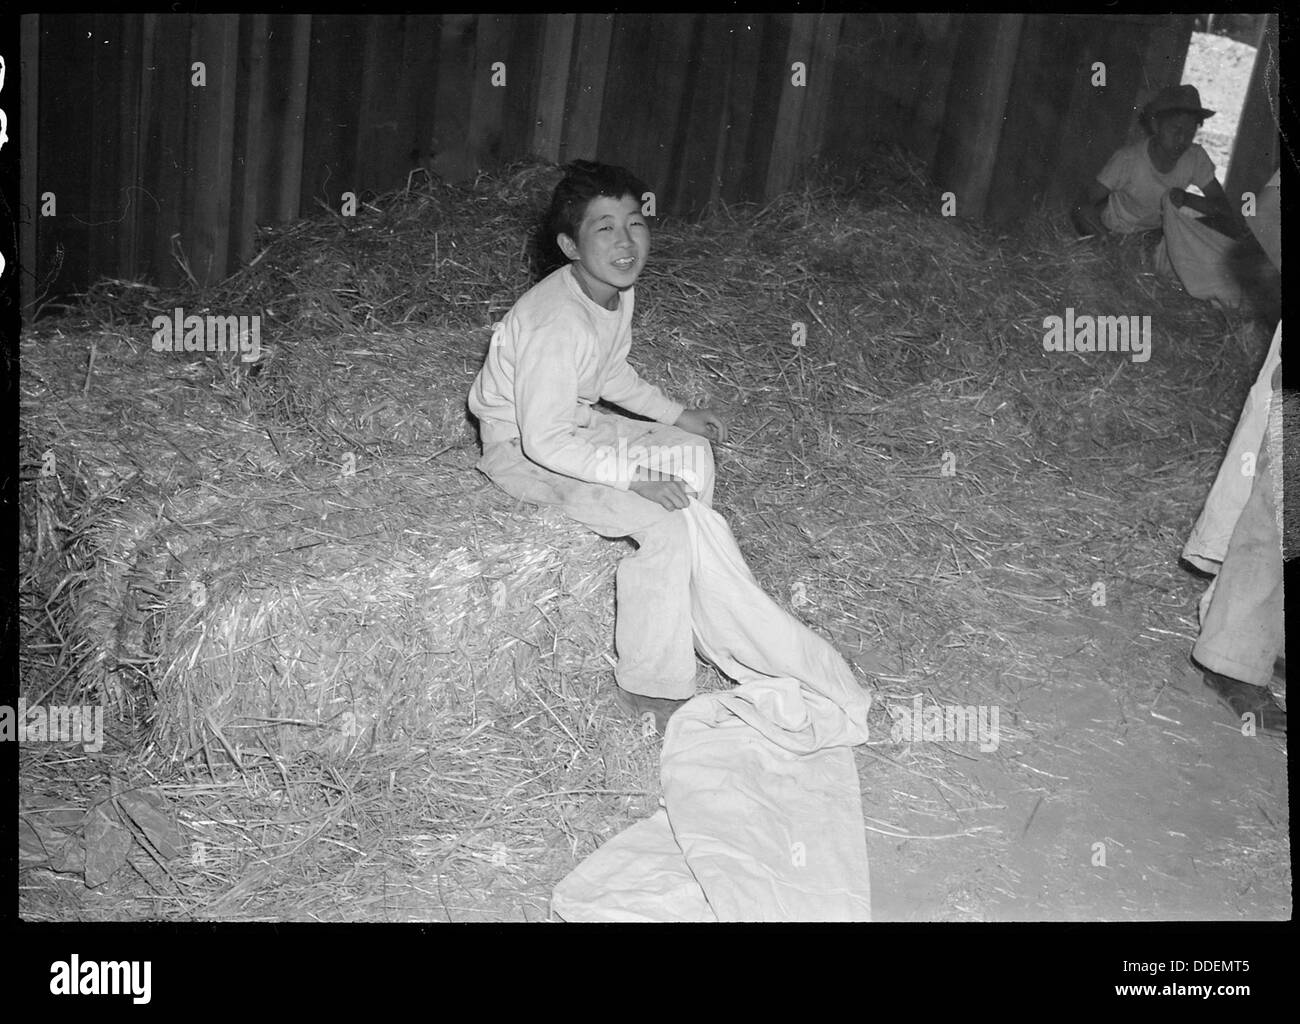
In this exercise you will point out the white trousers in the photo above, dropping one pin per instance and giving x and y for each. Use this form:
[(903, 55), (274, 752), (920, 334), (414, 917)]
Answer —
[(763, 814), (653, 633)]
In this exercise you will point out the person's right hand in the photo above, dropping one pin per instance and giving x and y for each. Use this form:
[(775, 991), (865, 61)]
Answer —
[(670, 494), (669, 491)]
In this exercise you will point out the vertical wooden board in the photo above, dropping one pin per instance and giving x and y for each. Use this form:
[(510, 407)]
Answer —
[(586, 94), (453, 97), (29, 220), (785, 133), (1014, 169), (207, 221), (284, 131), (890, 86), (1256, 150), (625, 131), (329, 166), (250, 150), (1074, 140), (932, 91), (671, 114), (912, 71), (821, 79), (1129, 82), (67, 46), (703, 123), (520, 102), (643, 99), (976, 106), (972, 40), (742, 86), (1164, 42), (990, 116), (846, 130), (1113, 112), (417, 84), (104, 149), (770, 86), (165, 168), (552, 84), (488, 100), (130, 135), (877, 57), (145, 216), (380, 158), (900, 77), (272, 133), (1038, 98), (1097, 121)]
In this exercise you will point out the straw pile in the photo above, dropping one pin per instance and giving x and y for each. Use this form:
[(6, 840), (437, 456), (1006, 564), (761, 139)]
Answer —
[(364, 677)]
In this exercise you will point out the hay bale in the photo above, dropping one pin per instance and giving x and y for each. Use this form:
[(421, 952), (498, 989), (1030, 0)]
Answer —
[(347, 618), (239, 585)]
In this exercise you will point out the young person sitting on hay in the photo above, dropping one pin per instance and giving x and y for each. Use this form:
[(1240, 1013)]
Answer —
[(1143, 188), (558, 351)]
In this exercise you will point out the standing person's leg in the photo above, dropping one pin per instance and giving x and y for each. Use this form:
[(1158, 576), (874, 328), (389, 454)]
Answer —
[(1242, 621), (1207, 544)]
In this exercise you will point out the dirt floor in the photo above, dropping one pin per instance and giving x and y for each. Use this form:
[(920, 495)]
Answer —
[(1126, 754)]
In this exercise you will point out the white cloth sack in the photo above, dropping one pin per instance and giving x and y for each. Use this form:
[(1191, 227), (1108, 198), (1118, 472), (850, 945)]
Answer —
[(763, 816), (1196, 255)]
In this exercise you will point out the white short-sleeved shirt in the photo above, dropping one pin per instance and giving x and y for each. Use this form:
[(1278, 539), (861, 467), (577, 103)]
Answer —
[(1136, 187)]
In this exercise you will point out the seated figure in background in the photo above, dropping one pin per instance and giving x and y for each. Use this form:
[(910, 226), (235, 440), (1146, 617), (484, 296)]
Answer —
[(1143, 187)]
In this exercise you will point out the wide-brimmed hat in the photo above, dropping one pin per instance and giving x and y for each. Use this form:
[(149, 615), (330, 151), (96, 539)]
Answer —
[(1177, 97)]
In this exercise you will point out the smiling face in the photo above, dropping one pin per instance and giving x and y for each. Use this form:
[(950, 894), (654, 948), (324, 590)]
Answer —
[(1175, 131), (611, 248)]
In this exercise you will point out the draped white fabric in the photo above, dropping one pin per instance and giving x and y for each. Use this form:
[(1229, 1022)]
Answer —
[(1259, 424), (763, 817)]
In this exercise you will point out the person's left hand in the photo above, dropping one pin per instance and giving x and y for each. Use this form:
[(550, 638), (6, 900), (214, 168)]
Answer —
[(704, 422), (1177, 196)]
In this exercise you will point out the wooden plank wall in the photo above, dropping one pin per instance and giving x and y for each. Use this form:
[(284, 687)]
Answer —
[(1257, 147), (1060, 127), (28, 168), (157, 177)]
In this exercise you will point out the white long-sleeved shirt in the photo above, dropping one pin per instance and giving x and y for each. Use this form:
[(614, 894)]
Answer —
[(554, 354)]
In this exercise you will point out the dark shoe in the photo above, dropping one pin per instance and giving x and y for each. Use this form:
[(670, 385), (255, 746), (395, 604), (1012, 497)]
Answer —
[(1243, 698), (638, 705)]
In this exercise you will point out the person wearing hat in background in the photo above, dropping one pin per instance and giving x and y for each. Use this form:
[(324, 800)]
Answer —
[(1143, 187), (1238, 535)]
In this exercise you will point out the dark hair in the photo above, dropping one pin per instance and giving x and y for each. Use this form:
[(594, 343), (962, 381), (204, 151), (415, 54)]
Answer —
[(583, 181)]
